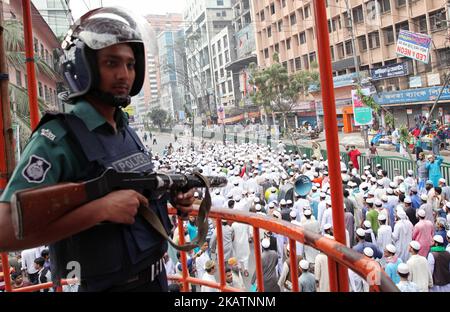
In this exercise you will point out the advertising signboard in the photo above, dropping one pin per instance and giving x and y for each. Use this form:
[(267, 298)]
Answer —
[(413, 45), (361, 113)]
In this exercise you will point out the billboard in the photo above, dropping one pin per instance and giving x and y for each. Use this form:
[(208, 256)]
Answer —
[(361, 113), (390, 71), (413, 45)]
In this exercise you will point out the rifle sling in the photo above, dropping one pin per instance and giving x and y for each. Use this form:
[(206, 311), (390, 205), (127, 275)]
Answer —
[(151, 217)]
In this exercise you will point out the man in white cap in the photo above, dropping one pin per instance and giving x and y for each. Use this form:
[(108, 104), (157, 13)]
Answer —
[(370, 236), (445, 189), (321, 272), (242, 238), (423, 233), (306, 281), (327, 217), (269, 261), (410, 181), (310, 225), (391, 263), (227, 238), (428, 207), (410, 211), (218, 200), (405, 285), (285, 279), (439, 264), (402, 234), (209, 275), (362, 243), (384, 236), (419, 272), (321, 207)]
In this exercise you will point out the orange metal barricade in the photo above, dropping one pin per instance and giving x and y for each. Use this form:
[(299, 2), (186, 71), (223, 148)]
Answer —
[(366, 268)]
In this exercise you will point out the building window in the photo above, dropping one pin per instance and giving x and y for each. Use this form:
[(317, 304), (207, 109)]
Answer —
[(422, 24), (399, 26), (227, 57), (224, 13), (18, 78), (385, 6), (220, 2), (46, 93), (307, 11), (329, 26), (362, 43), (225, 42), (269, 31), (277, 47), (285, 65), (41, 94), (388, 35), (401, 3), (266, 53), (340, 50), (349, 47), (291, 65), (358, 14), (272, 8), (374, 40), (293, 19), (332, 53), (298, 63), (263, 17), (312, 57), (283, 3), (280, 26), (437, 20), (288, 44), (306, 61), (444, 56), (302, 37)]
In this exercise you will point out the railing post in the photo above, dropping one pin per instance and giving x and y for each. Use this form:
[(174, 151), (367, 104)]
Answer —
[(294, 264), (185, 271), (6, 272), (220, 255), (258, 262)]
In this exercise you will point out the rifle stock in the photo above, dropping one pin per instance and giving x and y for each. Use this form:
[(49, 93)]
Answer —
[(33, 209)]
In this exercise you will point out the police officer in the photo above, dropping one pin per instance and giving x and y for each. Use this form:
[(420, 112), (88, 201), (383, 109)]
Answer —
[(104, 243)]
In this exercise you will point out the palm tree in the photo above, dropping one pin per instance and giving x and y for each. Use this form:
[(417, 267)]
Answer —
[(15, 46)]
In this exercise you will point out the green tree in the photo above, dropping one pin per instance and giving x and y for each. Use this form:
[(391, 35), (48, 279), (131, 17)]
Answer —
[(277, 91), (159, 117), (15, 55)]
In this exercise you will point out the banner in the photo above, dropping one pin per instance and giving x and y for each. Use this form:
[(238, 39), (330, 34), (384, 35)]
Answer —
[(413, 45), (361, 113), (390, 71)]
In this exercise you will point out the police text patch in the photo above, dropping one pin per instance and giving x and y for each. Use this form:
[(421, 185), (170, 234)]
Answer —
[(132, 163), (36, 169), (48, 134)]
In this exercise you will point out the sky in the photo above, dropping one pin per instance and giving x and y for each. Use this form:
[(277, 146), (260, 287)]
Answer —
[(143, 7)]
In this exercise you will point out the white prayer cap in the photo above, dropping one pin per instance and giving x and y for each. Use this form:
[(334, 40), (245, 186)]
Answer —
[(384, 198), (371, 193), (403, 268), (380, 182), (401, 178), (314, 188), (323, 195), (380, 172), (307, 212), (293, 214), (381, 217), (366, 167), (360, 232), (237, 197), (424, 197), (289, 202), (367, 224), (235, 182), (401, 214), (438, 239), (351, 184), (316, 174), (415, 245), (256, 200), (217, 192), (271, 205), (345, 177), (196, 194), (277, 214), (265, 243), (378, 202), (442, 180), (421, 213), (283, 202), (364, 185), (273, 190), (393, 185), (327, 226), (304, 264), (391, 248), (389, 191), (258, 207), (369, 200), (408, 200), (368, 252), (328, 202)]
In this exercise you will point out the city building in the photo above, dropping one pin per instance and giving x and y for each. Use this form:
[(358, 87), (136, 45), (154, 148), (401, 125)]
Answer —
[(204, 19), (173, 72), (287, 27), (57, 14)]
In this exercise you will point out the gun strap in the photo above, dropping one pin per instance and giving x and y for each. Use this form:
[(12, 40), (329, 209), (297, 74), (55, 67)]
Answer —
[(202, 219)]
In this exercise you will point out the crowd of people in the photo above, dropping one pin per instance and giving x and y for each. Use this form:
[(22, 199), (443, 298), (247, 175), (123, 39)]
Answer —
[(400, 222)]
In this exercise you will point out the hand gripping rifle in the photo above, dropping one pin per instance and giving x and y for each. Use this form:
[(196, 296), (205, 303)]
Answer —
[(33, 209)]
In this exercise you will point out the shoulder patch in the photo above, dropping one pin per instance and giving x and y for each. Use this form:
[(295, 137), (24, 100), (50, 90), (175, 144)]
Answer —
[(36, 169), (48, 134)]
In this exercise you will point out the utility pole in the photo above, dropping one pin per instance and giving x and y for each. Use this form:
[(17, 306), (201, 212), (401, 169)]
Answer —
[(7, 157), (364, 129)]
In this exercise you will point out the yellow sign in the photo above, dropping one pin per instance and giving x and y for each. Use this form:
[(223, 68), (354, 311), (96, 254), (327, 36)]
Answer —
[(130, 110)]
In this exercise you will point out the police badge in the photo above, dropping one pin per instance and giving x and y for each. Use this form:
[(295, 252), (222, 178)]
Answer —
[(36, 169)]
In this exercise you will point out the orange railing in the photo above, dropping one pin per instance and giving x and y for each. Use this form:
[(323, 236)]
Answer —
[(368, 269), (364, 267)]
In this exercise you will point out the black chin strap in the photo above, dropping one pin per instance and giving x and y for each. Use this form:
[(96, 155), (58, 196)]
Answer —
[(110, 99)]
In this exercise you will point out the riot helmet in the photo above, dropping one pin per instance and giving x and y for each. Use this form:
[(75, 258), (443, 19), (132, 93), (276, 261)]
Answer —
[(96, 30)]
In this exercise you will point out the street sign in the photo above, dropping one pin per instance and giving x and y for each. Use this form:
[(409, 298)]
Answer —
[(361, 113), (413, 45)]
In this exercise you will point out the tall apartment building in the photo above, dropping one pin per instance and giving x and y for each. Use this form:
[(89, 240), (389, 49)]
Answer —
[(204, 19), (173, 72), (56, 13), (287, 27)]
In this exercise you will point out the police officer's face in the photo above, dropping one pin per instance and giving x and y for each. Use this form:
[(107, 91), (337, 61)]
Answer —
[(117, 72)]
